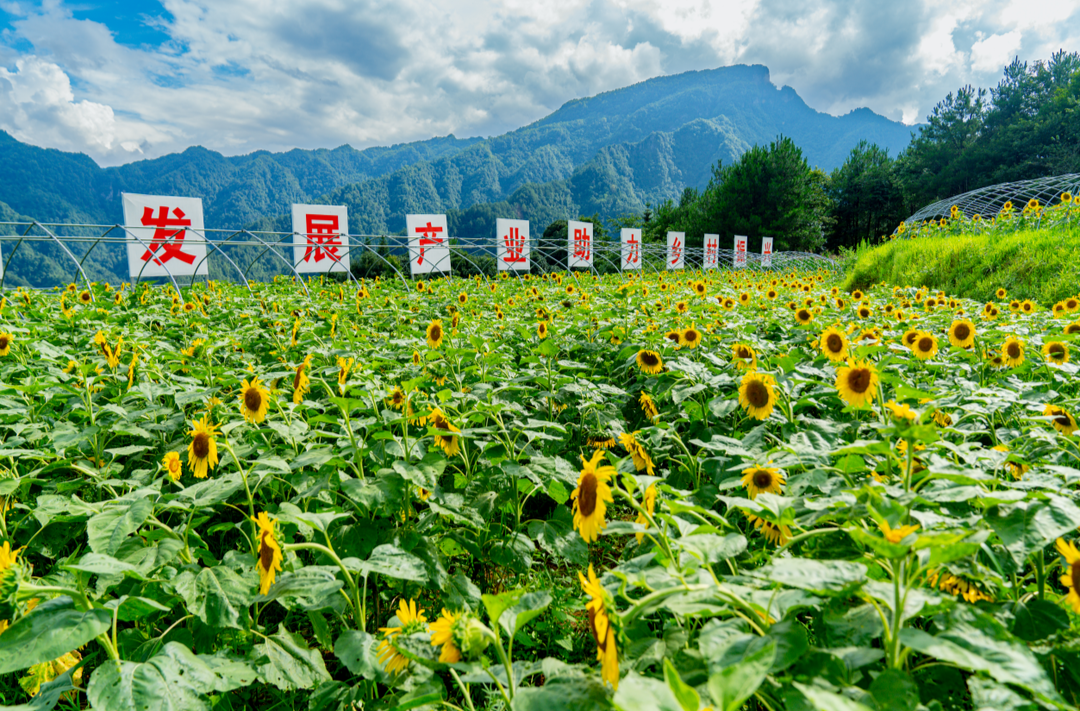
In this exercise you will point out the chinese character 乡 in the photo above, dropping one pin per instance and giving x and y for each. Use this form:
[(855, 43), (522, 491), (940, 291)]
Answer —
[(582, 244), (515, 246), (162, 234), (634, 253), (427, 241), (322, 236), (676, 251)]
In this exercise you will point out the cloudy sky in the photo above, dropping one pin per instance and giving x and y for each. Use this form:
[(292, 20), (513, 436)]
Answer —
[(124, 79)]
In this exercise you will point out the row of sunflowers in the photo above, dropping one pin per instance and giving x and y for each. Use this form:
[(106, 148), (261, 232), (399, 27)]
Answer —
[(681, 491)]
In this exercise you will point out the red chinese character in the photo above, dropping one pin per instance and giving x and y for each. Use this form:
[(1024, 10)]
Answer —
[(676, 251), (634, 255), (425, 241), (712, 249), (322, 236), (582, 245), (162, 234), (515, 247)]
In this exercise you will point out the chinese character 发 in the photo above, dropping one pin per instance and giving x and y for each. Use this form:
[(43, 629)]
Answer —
[(582, 245), (676, 251), (426, 241), (633, 255), (515, 246), (322, 236), (162, 234)]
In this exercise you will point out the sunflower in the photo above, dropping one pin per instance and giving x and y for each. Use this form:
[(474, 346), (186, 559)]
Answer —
[(857, 382), (254, 400), (864, 311), (1071, 580), (762, 479), (301, 382), (743, 356), (682, 307), (442, 634), (6, 340), (642, 460), (804, 316), (1063, 421), (648, 405), (756, 394), (269, 563), (902, 413), (202, 452), (910, 336), (777, 535), (650, 507), (650, 362), (600, 626), (435, 333), (591, 497), (85, 298), (447, 442), (345, 365), (411, 619), (857, 295), (925, 346), (172, 465), (463, 298), (690, 337), (833, 344), (1027, 306), (962, 333), (542, 330), (420, 285), (397, 398), (1056, 352), (1072, 304), (895, 535), (1072, 328), (1012, 353), (673, 336), (699, 288)]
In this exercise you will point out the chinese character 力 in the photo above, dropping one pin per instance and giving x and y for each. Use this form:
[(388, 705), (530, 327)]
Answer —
[(633, 255)]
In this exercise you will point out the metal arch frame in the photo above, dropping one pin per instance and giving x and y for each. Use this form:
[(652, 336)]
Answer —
[(987, 201), (348, 250), (366, 246), (270, 248), (138, 276), (22, 237), (215, 244), (67, 251)]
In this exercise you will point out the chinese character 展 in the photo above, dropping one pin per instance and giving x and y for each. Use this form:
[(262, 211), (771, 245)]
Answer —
[(162, 222), (322, 236)]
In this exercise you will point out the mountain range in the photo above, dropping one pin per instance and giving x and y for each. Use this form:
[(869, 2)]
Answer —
[(610, 155)]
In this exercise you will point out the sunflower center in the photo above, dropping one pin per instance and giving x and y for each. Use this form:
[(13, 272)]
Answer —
[(672, 336), (834, 343), (744, 353), (298, 379), (649, 358), (587, 495), (803, 315), (859, 380), (691, 335), (1056, 350), (926, 344), (763, 479), (1013, 350), (252, 399), (266, 553), (201, 445), (3, 342), (436, 333), (962, 331), (1061, 418), (440, 423), (757, 393)]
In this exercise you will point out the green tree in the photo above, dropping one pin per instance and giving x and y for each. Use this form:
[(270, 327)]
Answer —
[(867, 196)]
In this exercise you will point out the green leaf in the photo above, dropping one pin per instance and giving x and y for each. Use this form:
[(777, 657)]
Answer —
[(310, 588), (176, 679), (733, 685), (820, 576), (894, 690), (524, 611), (48, 695), (218, 596), (1029, 526), (1037, 619), (357, 651), (393, 562), (212, 491), (711, 548), (683, 693), (286, 662), (54, 628), (641, 693), (559, 538), (570, 694), (108, 529), (823, 700)]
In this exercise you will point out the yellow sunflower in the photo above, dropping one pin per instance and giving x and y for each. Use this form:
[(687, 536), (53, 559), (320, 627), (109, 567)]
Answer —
[(447, 442), (804, 316), (173, 465), (901, 412), (6, 340), (301, 381), (642, 460), (650, 362), (925, 346), (1012, 353), (1063, 421), (896, 535), (756, 394), (650, 506), (833, 344), (857, 382), (410, 618), (254, 400), (442, 634), (648, 405), (269, 563), (962, 333), (1071, 579), (744, 357), (592, 496), (1056, 352), (690, 337), (762, 479), (202, 452), (542, 330), (600, 626), (435, 333)]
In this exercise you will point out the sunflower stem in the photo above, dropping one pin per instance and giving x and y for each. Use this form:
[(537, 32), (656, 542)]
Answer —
[(464, 689), (355, 602)]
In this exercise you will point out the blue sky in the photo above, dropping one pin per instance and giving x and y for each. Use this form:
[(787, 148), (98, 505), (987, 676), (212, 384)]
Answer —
[(122, 81)]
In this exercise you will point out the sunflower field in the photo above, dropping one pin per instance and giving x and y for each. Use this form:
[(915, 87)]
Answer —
[(724, 490)]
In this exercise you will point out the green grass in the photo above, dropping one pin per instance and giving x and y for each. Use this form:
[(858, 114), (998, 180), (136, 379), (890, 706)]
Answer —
[(1038, 264)]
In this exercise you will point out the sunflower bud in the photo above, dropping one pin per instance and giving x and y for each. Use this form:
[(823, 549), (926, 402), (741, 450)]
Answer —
[(474, 635)]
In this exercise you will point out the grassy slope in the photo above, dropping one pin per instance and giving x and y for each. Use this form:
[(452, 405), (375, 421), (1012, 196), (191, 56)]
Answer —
[(1043, 264)]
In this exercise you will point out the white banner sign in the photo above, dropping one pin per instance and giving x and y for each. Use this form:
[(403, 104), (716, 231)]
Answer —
[(512, 237), (429, 244), (766, 251), (631, 248), (580, 247), (676, 250), (165, 236), (320, 238), (740, 252), (712, 251)]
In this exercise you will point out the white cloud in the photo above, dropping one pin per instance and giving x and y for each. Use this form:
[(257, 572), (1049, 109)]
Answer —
[(243, 75)]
